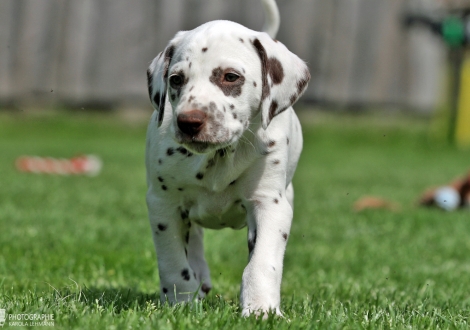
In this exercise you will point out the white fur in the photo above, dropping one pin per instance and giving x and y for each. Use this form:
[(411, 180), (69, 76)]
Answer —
[(237, 172)]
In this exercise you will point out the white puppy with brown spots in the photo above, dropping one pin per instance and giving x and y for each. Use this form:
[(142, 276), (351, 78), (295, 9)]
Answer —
[(222, 148)]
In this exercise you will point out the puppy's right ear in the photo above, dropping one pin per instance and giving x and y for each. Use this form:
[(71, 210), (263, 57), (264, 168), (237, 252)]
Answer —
[(157, 76)]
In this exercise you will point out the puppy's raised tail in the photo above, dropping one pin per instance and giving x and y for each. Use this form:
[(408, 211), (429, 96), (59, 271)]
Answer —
[(272, 18)]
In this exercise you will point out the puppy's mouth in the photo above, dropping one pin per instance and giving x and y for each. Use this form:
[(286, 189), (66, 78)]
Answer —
[(200, 146)]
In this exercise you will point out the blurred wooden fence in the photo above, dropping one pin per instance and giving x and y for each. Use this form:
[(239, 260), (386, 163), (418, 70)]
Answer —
[(95, 52)]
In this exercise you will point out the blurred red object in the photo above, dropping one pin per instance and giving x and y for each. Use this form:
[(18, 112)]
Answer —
[(86, 164)]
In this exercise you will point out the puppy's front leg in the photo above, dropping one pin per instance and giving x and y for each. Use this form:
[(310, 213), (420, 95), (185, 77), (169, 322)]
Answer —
[(170, 231), (269, 221)]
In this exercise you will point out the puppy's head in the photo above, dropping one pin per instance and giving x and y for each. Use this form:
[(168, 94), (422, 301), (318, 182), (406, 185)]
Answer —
[(218, 79)]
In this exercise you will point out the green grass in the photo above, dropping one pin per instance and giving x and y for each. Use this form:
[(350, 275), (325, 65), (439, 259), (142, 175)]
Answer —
[(80, 247)]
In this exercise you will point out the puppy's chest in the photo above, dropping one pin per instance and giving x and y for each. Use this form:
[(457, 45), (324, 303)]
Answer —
[(177, 168), (207, 188)]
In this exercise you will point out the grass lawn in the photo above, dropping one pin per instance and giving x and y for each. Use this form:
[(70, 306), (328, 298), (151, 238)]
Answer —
[(80, 247)]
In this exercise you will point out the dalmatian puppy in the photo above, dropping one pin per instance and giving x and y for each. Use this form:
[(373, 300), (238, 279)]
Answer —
[(222, 147)]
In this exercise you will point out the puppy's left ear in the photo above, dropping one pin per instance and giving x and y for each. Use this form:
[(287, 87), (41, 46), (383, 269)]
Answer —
[(284, 77), (157, 75)]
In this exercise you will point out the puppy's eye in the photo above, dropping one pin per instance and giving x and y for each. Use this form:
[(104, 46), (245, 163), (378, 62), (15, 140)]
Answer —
[(231, 77), (176, 81)]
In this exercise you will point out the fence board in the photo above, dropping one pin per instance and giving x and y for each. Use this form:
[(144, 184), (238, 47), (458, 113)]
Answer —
[(97, 51)]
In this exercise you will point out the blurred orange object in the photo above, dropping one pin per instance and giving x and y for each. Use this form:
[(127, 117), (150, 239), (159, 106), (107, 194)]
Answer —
[(375, 203)]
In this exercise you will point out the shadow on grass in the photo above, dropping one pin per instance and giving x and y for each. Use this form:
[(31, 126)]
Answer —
[(127, 298)]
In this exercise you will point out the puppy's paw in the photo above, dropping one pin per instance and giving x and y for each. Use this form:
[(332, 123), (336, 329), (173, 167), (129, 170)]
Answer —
[(263, 312)]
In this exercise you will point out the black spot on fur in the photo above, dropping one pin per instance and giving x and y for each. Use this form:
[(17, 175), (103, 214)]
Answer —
[(165, 290), (232, 106), (276, 161), (184, 214), (254, 83), (162, 227), (170, 151), (182, 150), (168, 57), (180, 189), (187, 237), (199, 176), (160, 179), (233, 182), (160, 161), (149, 82), (156, 100), (284, 235), (173, 97), (190, 63), (185, 274), (288, 141), (276, 200), (241, 40), (164, 187), (234, 116), (204, 49), (210, 163), (222, 152), (186, 252)]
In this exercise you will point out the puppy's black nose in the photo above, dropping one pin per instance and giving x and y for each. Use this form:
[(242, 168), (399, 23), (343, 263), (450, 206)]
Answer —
[(191, 122)]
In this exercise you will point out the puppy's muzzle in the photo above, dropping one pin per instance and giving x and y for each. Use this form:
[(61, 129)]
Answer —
[(191, 122)]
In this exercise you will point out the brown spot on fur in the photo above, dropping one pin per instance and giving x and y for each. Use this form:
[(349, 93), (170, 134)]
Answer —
[(264, 72), (276, 71), (204, 49), (234, 88), (293, 98), (272, 109), (303, 82)]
